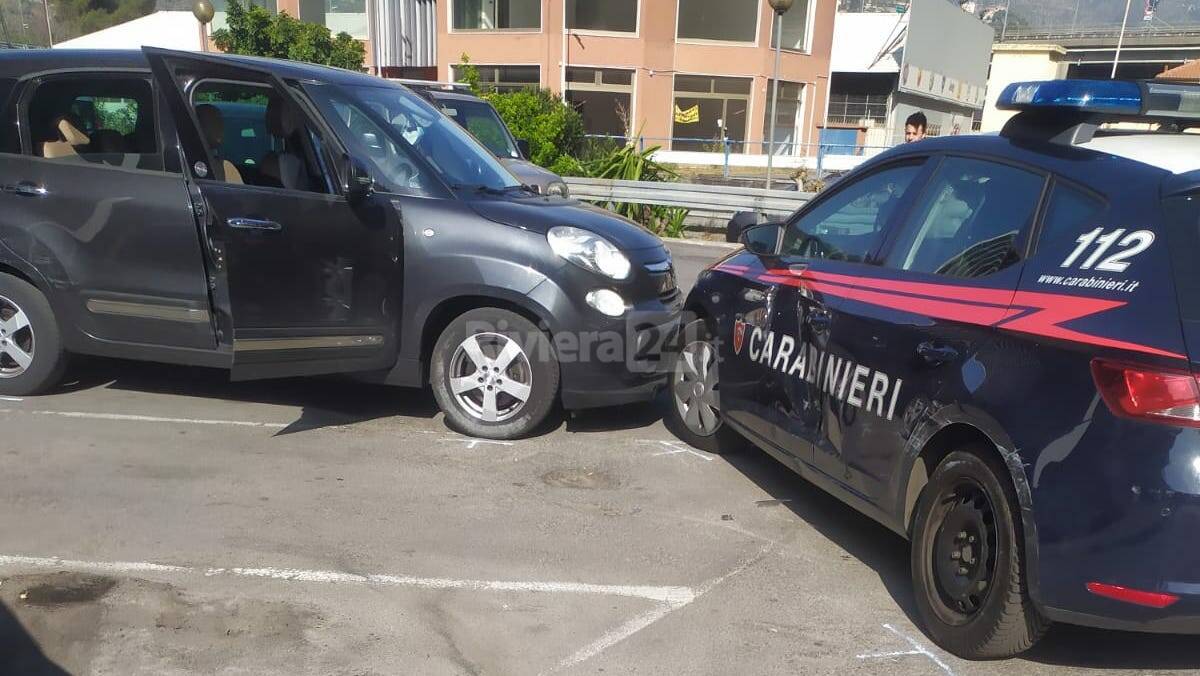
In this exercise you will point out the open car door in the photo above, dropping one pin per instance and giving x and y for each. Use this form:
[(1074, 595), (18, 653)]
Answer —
[(303, 279)]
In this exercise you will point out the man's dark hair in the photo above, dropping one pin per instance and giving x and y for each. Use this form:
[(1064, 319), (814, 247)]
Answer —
[(917, 121)]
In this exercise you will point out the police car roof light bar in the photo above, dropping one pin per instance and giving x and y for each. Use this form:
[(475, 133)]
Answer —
[(1120, 99)]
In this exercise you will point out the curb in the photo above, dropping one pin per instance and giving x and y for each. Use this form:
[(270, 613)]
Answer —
[(701, 242)]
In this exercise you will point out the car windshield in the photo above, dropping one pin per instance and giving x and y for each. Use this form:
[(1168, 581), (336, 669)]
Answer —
[(391, 127), (481, 119)]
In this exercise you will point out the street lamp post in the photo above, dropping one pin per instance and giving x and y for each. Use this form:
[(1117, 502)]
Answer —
[(204, 12), (780, 7), (1120, 40)]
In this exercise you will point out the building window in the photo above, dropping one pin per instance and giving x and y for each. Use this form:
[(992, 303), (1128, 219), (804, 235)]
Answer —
[(221, 17), (615, 16), (708, 110), (504, 78), (722, 20), (860, 110), (497, 15), (604, 96), (795, 28), (339, 16), (789, 118)]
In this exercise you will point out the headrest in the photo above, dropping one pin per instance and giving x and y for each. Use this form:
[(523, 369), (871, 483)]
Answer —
[(70, 133), (281, 119), (212, 123)]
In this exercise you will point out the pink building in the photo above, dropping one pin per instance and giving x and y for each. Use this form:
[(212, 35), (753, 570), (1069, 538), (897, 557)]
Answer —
[(682, 69)]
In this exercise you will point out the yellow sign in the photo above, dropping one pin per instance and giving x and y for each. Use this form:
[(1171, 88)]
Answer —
[(689, 116)]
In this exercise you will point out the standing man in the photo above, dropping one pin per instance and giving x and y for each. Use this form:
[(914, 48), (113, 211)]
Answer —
[(914, 127)]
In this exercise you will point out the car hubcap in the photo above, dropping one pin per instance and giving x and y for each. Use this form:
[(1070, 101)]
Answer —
[(964, 552), (16, 340), (695, 388), (490, 377)]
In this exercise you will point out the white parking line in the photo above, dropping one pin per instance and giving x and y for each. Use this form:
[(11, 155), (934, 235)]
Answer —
[(673, 596), (122, 417), (11, 399), (917, 649)]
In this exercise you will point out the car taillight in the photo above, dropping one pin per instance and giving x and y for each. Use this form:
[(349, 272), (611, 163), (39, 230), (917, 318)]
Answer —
[(1142, 392)]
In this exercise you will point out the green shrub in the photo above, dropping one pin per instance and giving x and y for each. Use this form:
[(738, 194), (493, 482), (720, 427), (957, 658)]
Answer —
[(552, 127)]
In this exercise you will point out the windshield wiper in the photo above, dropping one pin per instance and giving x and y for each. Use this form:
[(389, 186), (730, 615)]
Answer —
[(488, 190)]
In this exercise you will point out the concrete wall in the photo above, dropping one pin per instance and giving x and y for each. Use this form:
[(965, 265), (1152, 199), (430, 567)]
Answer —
[(655, 55), (1019, 63)]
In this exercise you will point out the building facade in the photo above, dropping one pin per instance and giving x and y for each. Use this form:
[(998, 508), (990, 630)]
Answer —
[(684, 74)]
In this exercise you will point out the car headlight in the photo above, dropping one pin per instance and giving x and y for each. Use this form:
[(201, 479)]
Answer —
[(558, 189), (589, 251)]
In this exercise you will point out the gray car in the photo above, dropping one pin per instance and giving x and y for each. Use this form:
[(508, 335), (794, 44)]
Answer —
[(482, 120)]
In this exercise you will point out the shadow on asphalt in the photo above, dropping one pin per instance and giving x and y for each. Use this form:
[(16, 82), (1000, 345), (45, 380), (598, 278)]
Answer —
[(326, 401), (19, 653), (888, 555)]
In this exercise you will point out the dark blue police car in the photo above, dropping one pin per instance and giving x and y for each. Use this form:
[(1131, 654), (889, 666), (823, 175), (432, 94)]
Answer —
[(990, 345)]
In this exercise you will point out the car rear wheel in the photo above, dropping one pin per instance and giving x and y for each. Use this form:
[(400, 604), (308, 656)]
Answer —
[(494, 375), (31, 353), (694, 414), (968, 560)]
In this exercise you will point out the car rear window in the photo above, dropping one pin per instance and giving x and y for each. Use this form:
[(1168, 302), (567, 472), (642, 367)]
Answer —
[(10, 141)]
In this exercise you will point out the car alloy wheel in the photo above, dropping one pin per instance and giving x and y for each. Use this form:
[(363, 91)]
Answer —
[(490, 377), (694, 388), (16, 340)]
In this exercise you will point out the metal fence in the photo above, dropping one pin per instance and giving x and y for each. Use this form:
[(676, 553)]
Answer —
[(708, 204)]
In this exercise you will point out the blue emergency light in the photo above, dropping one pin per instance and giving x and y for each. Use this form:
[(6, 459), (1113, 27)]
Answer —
[(1107, 98)]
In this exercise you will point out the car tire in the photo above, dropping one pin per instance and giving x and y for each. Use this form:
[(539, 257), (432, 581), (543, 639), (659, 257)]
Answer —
[(693, 391), (968, 565), (32, 359), (494, 374)]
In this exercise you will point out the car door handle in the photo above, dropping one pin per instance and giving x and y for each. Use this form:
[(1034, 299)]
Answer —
[(820, 321), (935, 354), (25, 189), (254, 224)]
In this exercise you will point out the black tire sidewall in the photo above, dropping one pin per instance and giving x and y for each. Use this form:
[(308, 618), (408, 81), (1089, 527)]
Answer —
[(542, 362), (964, 639), (49, 359)]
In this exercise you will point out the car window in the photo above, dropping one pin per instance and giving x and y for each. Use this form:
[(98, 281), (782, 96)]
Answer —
[(95, 120), (484, 122), (1069, 213), (258, 136), (970, 220), (849, 225), (394, 127), (10, 139)]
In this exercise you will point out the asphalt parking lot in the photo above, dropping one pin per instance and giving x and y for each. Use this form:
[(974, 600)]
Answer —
[(161, 520)]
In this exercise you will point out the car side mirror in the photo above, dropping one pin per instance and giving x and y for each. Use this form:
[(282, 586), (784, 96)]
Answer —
[(358, 182), (523, 148), (762, 238)]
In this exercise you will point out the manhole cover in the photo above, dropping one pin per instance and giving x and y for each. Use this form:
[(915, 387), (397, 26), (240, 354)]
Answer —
[(580, 478), (59, 589)]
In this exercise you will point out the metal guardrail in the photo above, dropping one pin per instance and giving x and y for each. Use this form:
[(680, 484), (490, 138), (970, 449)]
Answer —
[(706, 201)]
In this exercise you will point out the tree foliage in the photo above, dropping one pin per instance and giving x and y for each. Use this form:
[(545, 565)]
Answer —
[(254, 31)]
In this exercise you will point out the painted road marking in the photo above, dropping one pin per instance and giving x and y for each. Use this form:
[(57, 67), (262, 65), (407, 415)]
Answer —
[(675, 448), (660, 594), (917, 649), (640, 622), (11, 399), (471, 442), (121, 417)]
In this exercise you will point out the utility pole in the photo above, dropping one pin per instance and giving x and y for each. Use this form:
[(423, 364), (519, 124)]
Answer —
[(1120, 40), (49, 30), (781, 7)]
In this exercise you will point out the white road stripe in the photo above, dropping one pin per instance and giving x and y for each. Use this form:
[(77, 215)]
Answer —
[(672, 596), (11, 399), (122, 417)]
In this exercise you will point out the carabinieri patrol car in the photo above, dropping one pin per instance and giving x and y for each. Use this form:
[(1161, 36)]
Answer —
[(990, 345)]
